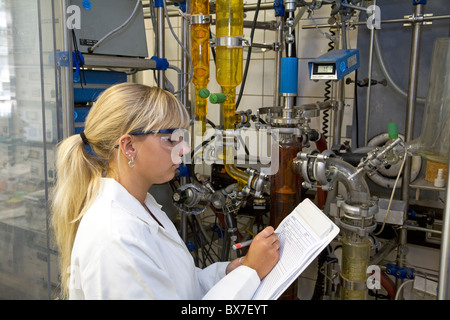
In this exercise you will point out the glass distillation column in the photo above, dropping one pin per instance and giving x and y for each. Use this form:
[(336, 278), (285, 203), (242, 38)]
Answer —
[(355, 259), (433, 142), (200, 19), (229, 33)]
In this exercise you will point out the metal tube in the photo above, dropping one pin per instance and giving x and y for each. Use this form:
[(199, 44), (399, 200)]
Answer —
[(411, 99), (444, 268), (364, 23), (184, 99), (366, 122), (409, 124), (107, 61), (67, 77), (279, 52), (161, 43), (339, 111)]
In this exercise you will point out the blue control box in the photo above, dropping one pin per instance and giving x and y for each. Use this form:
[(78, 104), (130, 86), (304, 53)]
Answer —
[(334, 65)]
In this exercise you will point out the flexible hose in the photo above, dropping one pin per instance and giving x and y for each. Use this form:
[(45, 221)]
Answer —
[(123, 25), (386, 73)]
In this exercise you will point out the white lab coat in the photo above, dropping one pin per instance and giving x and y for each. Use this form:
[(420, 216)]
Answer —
[(120, 252)]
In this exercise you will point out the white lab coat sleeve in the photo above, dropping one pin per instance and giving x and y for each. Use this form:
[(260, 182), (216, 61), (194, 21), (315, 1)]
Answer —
[(123, 270), (239, 284), (210, 275)]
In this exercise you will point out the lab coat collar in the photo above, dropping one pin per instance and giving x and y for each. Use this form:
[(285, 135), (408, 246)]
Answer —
[(121, 197)]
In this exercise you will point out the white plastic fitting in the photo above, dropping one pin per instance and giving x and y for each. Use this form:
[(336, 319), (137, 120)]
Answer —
[(439, 181)]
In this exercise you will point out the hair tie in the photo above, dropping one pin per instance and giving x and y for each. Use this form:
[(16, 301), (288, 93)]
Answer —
[(83, 137)]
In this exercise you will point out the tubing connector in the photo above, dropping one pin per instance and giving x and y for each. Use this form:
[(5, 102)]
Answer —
[(358, 218)]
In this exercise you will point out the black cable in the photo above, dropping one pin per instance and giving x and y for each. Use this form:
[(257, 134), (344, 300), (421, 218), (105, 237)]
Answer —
[(78, 59), (326, 114), (213, 50), (249, 53)]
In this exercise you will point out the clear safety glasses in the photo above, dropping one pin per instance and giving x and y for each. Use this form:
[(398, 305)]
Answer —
[(169, 138)]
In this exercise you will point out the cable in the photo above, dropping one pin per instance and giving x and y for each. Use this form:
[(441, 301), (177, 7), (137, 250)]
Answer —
[(392, 193), (123, 25), (249, 53), (326, 114), (400, 288)]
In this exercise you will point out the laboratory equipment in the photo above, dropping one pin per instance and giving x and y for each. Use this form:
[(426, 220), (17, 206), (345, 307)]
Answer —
[(99, 33), (433, 142), (334, 65)]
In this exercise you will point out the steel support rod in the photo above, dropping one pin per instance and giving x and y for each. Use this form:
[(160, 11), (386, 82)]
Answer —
[(369, 86), (67, 78), (161, 42), (444, 267), (409, 124)]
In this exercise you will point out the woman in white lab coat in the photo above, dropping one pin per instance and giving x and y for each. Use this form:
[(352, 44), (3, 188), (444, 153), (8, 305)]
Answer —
[(114, 240)]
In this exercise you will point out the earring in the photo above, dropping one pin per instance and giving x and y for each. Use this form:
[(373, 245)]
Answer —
[(131, 163)]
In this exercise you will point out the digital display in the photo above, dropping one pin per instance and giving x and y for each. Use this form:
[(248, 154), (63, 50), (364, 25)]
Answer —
[(325, 68)]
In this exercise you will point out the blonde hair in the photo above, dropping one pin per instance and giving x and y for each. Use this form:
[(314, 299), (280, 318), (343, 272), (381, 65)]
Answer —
[(120, 109)]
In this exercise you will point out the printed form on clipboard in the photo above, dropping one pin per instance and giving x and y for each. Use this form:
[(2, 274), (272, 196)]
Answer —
[(303, 234)]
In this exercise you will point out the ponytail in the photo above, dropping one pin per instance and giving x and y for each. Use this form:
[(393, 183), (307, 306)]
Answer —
[(77, 182)]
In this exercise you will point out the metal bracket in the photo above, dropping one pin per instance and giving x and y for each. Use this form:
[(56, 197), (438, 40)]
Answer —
[(63, 58), (417, 19), (200, 19), (231, 42), (358, 285)]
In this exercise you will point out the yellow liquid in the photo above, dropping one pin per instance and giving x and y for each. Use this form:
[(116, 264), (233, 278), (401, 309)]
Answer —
[(200, 60), (229, 23), (355, 260)]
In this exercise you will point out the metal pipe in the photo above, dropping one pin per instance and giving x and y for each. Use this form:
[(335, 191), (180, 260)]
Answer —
[(107, 61), (184, 95), (369, 86), (161, 43), (339, 111), (364, 23), (444, 268), (279, 52), (67, 77), (247, 7), (409, 124)]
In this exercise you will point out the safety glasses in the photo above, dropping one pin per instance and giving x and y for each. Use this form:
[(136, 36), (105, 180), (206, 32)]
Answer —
[(169, 138)]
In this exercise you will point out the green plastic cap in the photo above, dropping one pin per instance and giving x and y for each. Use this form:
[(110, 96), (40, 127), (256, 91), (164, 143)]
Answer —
[(203, 93), (217, 97), (392, 130)]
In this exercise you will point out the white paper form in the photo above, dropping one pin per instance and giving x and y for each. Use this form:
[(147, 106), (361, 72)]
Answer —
[(301, 241)]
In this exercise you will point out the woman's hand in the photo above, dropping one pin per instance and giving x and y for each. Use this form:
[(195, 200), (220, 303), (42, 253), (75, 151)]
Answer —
[(262, 255)]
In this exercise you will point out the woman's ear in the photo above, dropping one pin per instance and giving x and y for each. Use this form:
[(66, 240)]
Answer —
[(126, 146)]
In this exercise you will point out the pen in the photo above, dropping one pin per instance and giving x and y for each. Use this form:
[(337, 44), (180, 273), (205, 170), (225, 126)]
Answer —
[(242, 244)]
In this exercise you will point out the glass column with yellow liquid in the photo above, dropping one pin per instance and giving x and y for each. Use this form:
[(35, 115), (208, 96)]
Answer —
[(355, 260), (229, 27), (200, 58)]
